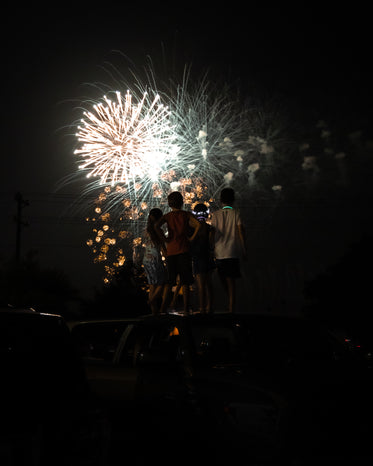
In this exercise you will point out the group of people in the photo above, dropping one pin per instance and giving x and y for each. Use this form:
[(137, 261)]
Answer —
[(193, 249)]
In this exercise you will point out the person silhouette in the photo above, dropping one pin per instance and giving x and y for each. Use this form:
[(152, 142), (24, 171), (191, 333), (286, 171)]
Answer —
[(202, 259), (152, 261), (179, 223), (228, 238)]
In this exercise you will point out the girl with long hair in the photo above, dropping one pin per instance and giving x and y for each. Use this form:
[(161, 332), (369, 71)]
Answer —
[(152, 260)]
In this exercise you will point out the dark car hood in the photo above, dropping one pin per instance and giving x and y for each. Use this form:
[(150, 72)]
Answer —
[(294, 381)]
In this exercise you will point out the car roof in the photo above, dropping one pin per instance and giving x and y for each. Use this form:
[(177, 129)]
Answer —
[(149, 319), (15, 311), (226, 316), (74, 323)]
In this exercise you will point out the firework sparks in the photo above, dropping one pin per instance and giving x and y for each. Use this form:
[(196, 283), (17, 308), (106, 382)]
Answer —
[(124, 143)]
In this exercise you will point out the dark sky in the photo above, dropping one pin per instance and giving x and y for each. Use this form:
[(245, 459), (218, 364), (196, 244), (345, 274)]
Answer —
[(314, 55)]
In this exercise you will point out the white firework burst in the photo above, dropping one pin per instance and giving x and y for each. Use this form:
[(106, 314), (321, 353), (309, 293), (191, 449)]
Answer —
[(211, 127), (126, 143)]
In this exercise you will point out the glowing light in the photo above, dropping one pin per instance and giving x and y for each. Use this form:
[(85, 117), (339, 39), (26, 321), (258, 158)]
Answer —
[(123, 142), (252, 168), (309, 163)]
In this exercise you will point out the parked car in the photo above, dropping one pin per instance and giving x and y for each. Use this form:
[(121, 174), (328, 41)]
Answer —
[(263, 384), (48, 415)]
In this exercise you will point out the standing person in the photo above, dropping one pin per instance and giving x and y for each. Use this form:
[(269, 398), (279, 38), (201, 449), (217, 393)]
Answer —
[(152, 260), (179, 223), (202, 259), (228, 237)]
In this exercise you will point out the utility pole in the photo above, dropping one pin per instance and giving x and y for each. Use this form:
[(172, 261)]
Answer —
[(21, 203)]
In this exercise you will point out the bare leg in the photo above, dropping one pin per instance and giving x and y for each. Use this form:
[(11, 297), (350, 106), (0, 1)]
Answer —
[(209, 295), (154, 308), (231, 286), (166, 291), (157, 291), (150, 299), (200, 279), (176, 294), (223, 280), (186, 299), (154, 293), (151, 291)]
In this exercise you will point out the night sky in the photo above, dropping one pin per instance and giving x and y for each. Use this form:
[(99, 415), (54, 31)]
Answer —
[(317, 58)]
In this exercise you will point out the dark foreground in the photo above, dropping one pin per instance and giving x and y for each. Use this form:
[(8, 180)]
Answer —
[(239, 389)]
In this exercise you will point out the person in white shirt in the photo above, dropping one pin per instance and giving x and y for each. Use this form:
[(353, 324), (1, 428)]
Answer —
[(228, 238)]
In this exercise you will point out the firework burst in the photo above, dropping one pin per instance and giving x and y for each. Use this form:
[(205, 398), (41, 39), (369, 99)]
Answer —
[(125, 143)]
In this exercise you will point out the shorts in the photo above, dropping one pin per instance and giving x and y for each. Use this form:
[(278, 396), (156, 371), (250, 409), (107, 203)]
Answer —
[(229, 267), (179, 264)]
